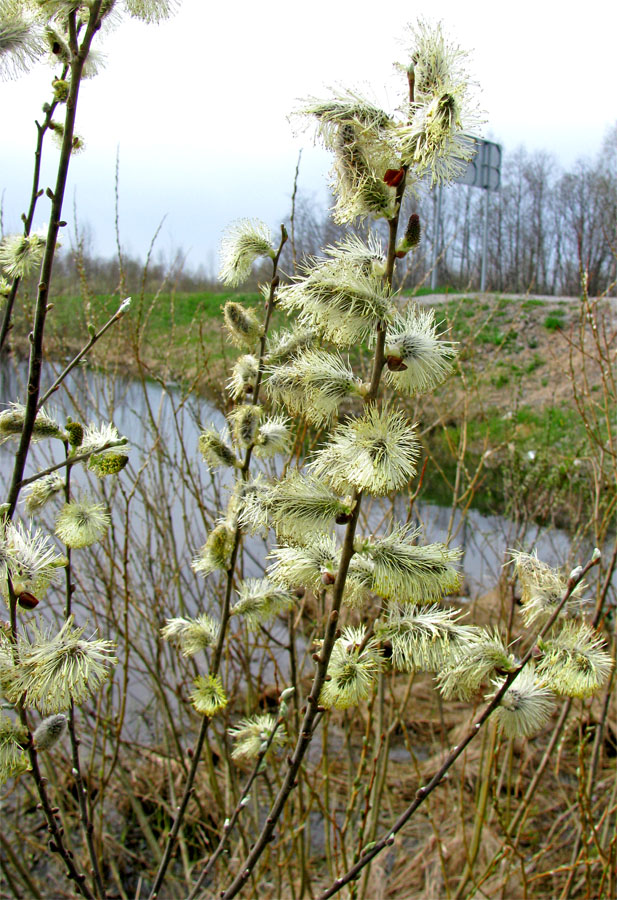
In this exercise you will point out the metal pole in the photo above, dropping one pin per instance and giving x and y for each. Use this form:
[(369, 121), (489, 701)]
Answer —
[(436, 233), (484, 243)]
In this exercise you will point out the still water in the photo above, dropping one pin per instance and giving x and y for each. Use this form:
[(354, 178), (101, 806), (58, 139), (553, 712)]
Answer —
[(130, 583), (163, 430)]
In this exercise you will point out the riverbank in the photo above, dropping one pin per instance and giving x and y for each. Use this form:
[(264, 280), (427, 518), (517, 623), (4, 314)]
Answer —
[(509, 430), (175, 335)]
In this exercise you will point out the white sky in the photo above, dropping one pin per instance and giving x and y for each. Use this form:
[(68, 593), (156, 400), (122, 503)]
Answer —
[(198, 104)]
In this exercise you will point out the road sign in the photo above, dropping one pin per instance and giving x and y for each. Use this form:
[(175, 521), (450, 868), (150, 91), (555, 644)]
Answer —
[(484, 170)]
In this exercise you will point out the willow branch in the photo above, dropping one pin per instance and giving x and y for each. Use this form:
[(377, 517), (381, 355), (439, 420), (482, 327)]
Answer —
[(218, 650), (230, 823), (72, 460), (331, 629), (93, 340), (57, 198), (36, 192)]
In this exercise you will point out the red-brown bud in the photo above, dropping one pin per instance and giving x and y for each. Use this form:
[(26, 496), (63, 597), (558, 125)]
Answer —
[(27, 600), (393, 177), (395, 364)]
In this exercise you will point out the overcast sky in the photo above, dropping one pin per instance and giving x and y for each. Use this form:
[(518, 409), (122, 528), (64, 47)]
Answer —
[(198, 105)]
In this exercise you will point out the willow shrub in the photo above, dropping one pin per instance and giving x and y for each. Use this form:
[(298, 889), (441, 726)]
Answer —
[(379, 600)]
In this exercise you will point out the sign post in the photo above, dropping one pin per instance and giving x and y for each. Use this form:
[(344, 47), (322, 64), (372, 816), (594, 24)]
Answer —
[(483, 171)]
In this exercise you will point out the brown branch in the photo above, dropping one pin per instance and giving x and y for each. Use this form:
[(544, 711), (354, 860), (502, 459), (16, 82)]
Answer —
[(331, 630), (78, 59), (35, 193), (218, 651)]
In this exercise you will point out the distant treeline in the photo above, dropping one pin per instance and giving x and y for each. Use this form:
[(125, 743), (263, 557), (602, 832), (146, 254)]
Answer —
[(546, 225), (79, 270)]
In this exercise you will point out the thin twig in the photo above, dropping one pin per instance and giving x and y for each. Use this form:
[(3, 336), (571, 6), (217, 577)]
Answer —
[(422, 793), (225, 615), (72, 460), (95, 337), (231, 821)]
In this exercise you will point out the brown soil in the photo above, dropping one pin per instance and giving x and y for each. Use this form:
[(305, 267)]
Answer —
[(536, 363)]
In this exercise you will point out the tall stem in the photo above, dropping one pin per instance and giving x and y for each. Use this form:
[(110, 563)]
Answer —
[(78, 58), (217, 655), (82, 797), (41, 130), (323, 658), (79, 54)]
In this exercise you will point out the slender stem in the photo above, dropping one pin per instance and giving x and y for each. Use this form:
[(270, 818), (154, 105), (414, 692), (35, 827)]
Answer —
[(331, 629), (293, 214), (86, 823), (95, 337), (230, 823), (23, 871), (312, 707), (78, 58), (56, 844), (244, 471), (591, 778), (10, 881), (217, 655), (480, 815), (518, 820), (70, 461), (28, 219)]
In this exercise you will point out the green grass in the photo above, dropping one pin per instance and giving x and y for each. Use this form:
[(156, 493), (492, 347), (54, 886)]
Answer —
[(532, 303), (554, 321), (553, 433), (536, 363), (167, 309), (492, 334), (501, 380), (550, 426), (159, 315)]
